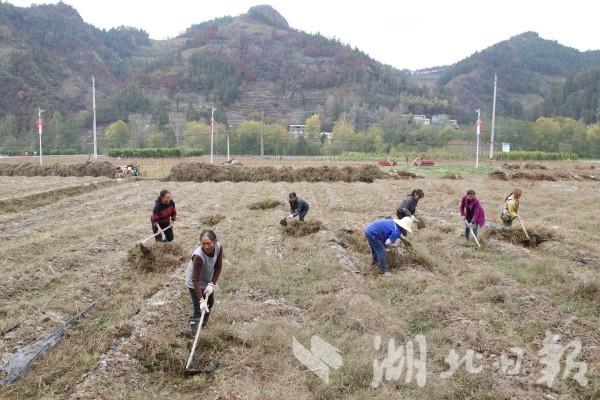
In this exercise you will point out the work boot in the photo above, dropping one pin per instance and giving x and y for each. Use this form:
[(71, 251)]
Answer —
[(194, 322)]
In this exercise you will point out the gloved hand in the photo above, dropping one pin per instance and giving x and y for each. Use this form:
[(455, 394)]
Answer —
[(388, 242), (291, 216), (210, 289), (204, 306), (414, 218)]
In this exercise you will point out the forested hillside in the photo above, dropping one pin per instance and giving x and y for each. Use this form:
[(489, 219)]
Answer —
[(529, 68)]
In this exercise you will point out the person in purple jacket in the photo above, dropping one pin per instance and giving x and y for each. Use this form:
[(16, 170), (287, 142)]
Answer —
[(472, 213)]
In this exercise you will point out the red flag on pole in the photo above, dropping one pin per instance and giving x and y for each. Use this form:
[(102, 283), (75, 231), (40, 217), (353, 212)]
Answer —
[(40, 123)]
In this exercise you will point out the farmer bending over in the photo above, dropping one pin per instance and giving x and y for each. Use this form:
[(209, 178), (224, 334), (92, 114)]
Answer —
[(163, 215), (511, 207), (382, 233), (298, 206), (472, 213), (201, 276), (408, 207)]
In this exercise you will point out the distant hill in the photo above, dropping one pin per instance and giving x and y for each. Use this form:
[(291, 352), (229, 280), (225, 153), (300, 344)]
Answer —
[(529, 68), (243, 65), (578, 97), (255, 64), (48, 54)]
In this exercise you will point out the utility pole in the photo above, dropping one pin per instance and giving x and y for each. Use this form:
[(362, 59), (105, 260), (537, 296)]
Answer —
[(493, 119), (262, 144), (228, 129), (40, 124), (212, 132), (94, 112), (477, 133)]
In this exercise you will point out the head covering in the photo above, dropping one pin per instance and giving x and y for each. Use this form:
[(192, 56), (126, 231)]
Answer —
[(405, 223)]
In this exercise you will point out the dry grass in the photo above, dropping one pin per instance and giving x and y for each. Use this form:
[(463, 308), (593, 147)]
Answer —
[(202, 172), (275, 287), (157, 257), (41, 199), (92, 168), (264, 204), (302, 228), (211, 220)]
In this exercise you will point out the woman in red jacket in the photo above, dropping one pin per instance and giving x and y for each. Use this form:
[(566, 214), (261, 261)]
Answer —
[(163, 215), (472, 213)]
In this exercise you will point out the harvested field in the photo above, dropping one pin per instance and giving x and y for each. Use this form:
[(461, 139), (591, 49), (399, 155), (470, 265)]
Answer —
[(40, 199), (452, 176), (265, 204), (511, 166), (499, 175), (534, 166), (354, 239), (533, 176), (515, 234), (274, 288), (92, 168), (201, 172), (400, 174), (156, 257), (298, 228), (211, 220)]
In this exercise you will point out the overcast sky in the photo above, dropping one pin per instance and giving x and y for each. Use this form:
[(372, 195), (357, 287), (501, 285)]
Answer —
[(405, 34)]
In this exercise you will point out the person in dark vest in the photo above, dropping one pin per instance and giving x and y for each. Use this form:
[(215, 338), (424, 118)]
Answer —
[(408, 207), (298, 206), (472, 212), (202, 275), (163, 215)]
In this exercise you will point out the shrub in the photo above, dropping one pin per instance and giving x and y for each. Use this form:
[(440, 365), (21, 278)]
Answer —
[(45, 152), (155, 152), (537, 155)]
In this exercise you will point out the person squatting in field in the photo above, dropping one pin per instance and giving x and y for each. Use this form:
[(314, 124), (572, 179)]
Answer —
[(298, 206), (163, 215), (382, 233), (472, 213), (408, 207), (510, 210), (202, 275)]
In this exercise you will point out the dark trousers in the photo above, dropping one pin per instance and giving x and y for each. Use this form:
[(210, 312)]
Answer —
[(302, 214), (196, 306), (475, 227), (378, 253), (168, 233), (401, 214)]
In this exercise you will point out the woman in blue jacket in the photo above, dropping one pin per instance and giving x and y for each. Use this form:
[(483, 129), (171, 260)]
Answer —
[(382, 233)]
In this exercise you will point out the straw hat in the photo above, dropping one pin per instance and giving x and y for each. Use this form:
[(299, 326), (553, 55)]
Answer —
[(405, 223)]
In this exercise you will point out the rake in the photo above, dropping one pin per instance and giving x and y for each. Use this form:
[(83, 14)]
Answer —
[(195, 370), (473, 234)]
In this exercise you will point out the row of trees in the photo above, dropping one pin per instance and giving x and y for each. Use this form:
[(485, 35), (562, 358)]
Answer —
[(392, 132), (246, 137), (557, 134), (60, 132)]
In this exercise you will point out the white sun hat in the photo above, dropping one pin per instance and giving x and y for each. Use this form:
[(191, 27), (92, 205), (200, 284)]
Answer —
[(405, 223)]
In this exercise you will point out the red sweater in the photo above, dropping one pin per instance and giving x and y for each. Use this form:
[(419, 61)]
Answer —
[(164, 213)]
